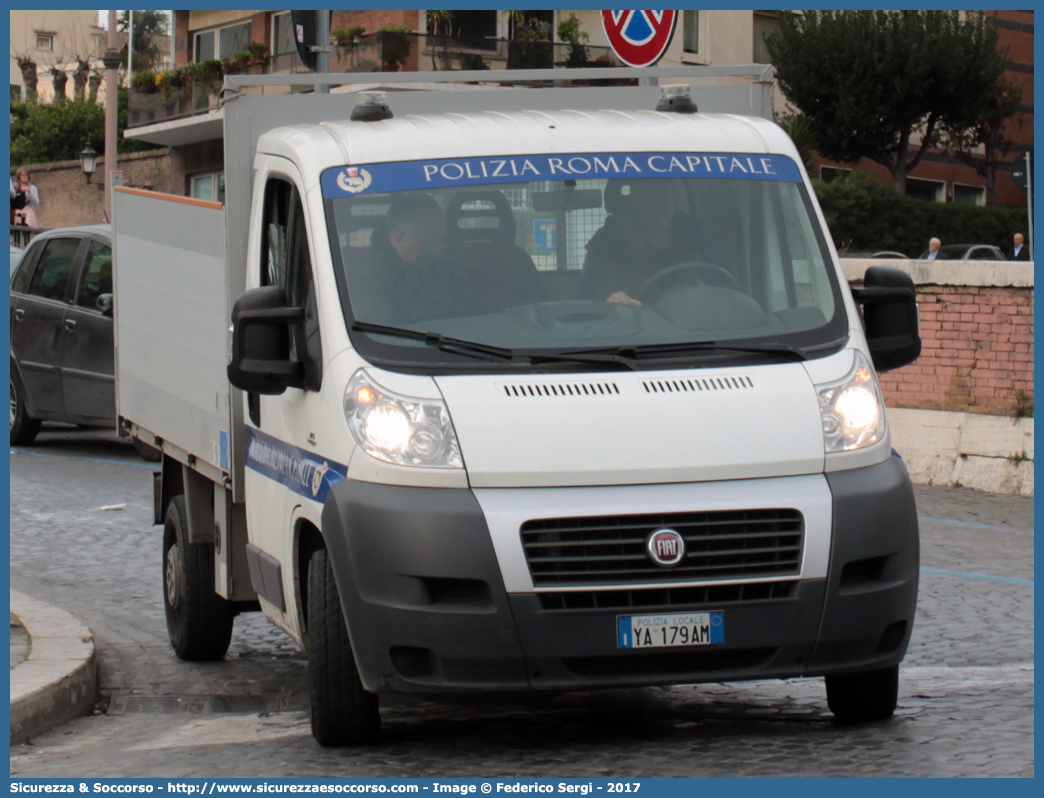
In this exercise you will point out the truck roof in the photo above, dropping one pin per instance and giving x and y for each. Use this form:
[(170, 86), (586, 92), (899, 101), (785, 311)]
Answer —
[(450, 135)]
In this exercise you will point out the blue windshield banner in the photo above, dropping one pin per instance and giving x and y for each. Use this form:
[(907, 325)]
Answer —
[(379, 178)]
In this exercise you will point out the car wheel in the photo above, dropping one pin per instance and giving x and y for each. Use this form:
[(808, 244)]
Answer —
[(343, 713), (199, 621), (861, 697), (23, 428), (150, 454)]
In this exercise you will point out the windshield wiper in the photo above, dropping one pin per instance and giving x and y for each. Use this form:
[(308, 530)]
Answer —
[(682, 348), (494, 353), (439, 341), (596, 357)]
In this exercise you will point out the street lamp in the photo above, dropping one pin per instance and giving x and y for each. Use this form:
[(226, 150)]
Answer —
[(88, 161)]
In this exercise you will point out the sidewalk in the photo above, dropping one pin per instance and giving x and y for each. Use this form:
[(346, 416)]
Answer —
[(58, 680)]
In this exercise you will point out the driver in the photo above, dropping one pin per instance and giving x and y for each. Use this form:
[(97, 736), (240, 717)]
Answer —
[(402, 278), (646, 237)]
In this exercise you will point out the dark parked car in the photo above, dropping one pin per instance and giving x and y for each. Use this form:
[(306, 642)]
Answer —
[(16, 258), (884, 253), (967, 252), (61, 332)]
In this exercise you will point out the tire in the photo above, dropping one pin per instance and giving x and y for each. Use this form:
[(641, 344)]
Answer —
[(150, 454), (199, 621), (23, 428), (343, 713), (862, 697)]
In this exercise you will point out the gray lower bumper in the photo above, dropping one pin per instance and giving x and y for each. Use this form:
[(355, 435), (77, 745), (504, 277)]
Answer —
[(427, 610)]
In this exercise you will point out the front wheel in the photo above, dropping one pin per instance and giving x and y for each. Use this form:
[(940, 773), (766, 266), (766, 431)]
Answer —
[(23, 428), (343, 713), (199, 621), (862, 697)]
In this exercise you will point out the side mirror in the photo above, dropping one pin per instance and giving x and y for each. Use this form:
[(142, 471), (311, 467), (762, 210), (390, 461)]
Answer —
[(104, 304), (889, 302), (261, 342)]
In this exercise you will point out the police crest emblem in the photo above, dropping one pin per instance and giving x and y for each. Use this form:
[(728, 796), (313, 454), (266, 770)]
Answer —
[(317, 478), (353, 180)]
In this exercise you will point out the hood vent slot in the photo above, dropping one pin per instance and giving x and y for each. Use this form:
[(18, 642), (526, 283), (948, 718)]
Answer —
[(699, 384), (573, 390)]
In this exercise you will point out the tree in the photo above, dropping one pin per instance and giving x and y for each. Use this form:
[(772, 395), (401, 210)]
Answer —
[(81, 76), (799, 128), (149, 26), (988, 141), (440, 22), (569, 32), (59, 79), (28, 67), (870, 81), (44, 133)]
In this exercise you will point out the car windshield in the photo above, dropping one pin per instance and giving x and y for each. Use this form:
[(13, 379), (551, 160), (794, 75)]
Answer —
[(532, 257)]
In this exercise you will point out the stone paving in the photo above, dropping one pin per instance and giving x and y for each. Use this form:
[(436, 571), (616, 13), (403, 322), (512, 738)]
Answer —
[(966, 691)]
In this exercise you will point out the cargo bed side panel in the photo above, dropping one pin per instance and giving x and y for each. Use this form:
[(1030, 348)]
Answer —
[(172, 320)]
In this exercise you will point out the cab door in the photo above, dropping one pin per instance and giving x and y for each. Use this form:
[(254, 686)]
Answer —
[(88, 363), (281, 463)]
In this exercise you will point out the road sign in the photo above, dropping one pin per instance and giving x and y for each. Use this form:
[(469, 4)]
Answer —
[(639, 38), (1018, 172)]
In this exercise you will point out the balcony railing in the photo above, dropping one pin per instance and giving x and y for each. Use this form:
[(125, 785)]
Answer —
[(191, 91)]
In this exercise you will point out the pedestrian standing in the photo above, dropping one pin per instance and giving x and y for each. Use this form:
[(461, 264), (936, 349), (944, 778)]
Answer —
[(22, 184), (1019, 251)]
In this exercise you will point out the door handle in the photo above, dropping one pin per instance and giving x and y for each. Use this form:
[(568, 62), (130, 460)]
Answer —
[(19, 314), (70, 324)]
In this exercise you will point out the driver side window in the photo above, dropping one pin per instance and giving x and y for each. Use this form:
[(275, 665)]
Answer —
[(286, 261)]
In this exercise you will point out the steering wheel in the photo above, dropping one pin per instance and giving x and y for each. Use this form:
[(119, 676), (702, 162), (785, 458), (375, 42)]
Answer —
[(688, 266)]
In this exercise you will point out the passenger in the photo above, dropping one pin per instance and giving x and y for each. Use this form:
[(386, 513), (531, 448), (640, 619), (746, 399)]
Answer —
[(647, 236), (401, 278)]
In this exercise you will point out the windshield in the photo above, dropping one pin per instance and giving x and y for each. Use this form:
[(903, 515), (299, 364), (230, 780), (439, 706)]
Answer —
[(527, 258)]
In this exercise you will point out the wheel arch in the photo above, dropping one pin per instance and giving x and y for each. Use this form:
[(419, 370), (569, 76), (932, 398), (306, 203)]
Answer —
[(308, 540)]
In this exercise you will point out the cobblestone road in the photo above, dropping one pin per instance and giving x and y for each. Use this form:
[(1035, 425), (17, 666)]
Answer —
[(965, 704)]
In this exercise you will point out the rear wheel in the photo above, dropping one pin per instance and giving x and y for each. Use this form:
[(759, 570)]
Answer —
[(199, 621), (343, 713), (861, 697), (23, 428)]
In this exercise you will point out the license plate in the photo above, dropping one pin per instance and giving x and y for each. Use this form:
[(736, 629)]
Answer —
[(670, 631)]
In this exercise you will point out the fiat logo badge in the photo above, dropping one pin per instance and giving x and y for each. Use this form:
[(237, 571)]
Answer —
[(666, 547)]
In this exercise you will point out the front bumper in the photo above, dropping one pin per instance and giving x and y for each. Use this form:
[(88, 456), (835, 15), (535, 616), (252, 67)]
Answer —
[(427, 610)]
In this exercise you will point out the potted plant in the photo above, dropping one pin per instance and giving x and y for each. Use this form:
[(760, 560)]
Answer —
[(472, 61), (344, 40), (531, 47), (258, 56), (171, 82), (395, 46), (570, 33), (144, 82), (144, 101)]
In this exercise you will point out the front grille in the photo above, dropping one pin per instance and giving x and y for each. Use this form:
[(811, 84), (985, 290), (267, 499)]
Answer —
[(675, 664), (666, 596), (725, 544)]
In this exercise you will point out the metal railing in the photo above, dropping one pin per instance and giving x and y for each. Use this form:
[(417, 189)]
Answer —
[(21, 235)]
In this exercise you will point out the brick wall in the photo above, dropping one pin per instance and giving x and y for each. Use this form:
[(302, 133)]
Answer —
[(66, 199), (977, 346)]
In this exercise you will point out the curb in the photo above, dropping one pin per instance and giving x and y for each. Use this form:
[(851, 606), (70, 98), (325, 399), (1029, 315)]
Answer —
[(59, 680)]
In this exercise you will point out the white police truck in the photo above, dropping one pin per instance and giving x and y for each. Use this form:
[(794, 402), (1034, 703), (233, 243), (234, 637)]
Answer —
[(545, 389)]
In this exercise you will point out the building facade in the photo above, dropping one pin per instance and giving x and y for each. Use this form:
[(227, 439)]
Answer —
[(371, 41), (43, 42)]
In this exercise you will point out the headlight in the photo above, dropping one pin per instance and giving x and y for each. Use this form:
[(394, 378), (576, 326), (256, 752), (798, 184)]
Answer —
[(852, 409), (400, 429)]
